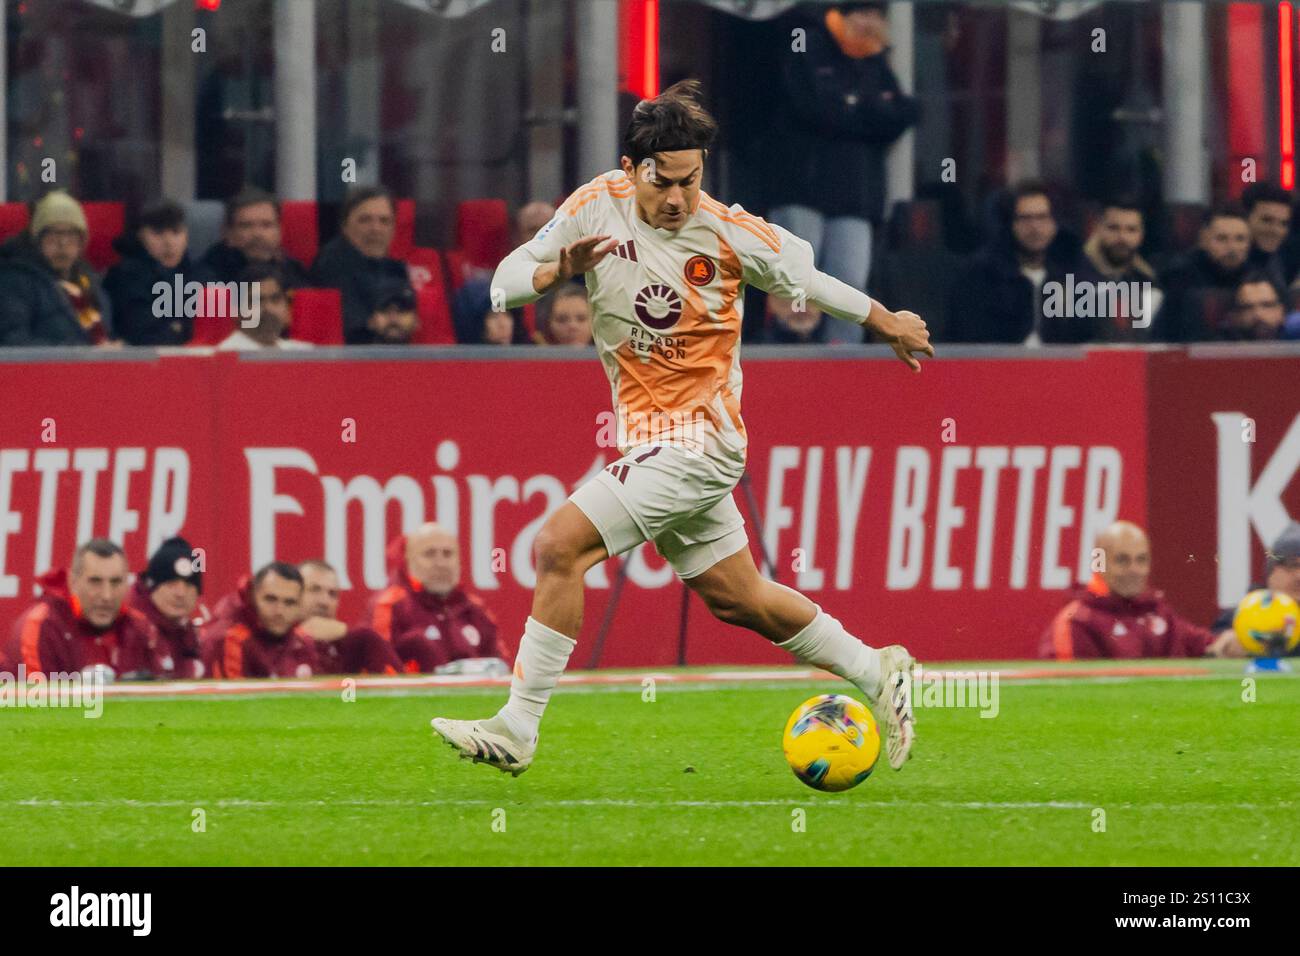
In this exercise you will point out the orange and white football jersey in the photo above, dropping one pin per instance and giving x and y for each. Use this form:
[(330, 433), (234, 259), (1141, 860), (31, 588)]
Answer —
[(667, 308)]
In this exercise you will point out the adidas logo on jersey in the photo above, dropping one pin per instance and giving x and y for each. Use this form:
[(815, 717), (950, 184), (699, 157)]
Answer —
[(626, 250)]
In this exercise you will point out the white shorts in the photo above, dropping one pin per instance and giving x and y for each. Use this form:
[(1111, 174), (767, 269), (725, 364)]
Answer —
[(676, 498)]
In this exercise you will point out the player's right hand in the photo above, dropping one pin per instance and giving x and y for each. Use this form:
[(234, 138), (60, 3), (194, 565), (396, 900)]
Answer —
[(583, 256)]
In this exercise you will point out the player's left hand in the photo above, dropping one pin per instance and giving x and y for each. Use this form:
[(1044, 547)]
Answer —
[(906, 333)]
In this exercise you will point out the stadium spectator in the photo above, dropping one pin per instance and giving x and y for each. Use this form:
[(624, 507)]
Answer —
[(1199, 287), (49, 294), (250, 235), (253, 634), (569, 320), (1112, 251), (356, 261), (1268, 214), (82, 620), (167, 594), (341, 649), (531, 217), (266, 326), (787, 325), (1119, 616), (430, 619), (999, 296), (393, 319), (1257, 311), (154, 249), (840, 110), (1281, 573), (477, 323)]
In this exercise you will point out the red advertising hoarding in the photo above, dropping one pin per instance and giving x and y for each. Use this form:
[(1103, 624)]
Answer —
[(951, 510)]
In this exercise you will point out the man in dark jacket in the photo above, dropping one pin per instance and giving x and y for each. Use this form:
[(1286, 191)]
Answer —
[(81, 621), (1006, 292), (841, 109), (167, 594), (250, 234), (1268, 214), (155, 249), (1113, 252), (356, 261), (1200, 287), (49, 295)]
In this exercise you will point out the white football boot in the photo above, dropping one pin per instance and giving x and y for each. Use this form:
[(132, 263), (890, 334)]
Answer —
[(474, 742), (892, 708)]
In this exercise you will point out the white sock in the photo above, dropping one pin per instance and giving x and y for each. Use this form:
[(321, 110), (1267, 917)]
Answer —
[(825, 644), (543, 654)]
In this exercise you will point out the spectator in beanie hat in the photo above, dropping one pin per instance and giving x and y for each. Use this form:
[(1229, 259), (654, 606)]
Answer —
[(49, 294), (1281, 573), (167, 594)]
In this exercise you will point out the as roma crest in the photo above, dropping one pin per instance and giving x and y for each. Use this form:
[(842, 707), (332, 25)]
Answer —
[(700, 270)]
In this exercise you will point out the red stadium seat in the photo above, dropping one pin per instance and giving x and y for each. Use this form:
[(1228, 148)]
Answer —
[(14, 217), (429, 280), (106, 221), (404, 235), (317, 316), (483, 231), (424, 266), (435, 316), (299, 230)]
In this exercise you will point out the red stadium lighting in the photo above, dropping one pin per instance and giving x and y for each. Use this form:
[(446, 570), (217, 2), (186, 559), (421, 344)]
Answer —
[(1285, 88), (639, 47), (212, 5)]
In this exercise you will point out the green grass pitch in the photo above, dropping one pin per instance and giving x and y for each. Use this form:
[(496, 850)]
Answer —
[(1186, 772)]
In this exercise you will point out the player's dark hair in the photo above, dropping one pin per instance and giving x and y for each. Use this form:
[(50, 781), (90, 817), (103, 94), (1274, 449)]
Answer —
[(99, 547), (1223, 210), (281, 569), (359, 194), (673, 120), (1256, 193), (250, 196)]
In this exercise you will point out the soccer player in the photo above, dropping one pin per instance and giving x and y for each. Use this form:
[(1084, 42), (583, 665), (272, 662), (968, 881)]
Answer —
[(666, 265)]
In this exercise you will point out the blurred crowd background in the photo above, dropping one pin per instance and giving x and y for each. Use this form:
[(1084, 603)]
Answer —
[(368, 162)]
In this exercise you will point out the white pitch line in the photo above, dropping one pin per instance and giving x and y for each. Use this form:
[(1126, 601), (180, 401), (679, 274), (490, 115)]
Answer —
[(848, 802), (664, 688)]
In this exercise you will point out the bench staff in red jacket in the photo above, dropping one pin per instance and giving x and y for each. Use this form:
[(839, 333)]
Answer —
[(1119, 616), (81, 621)]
